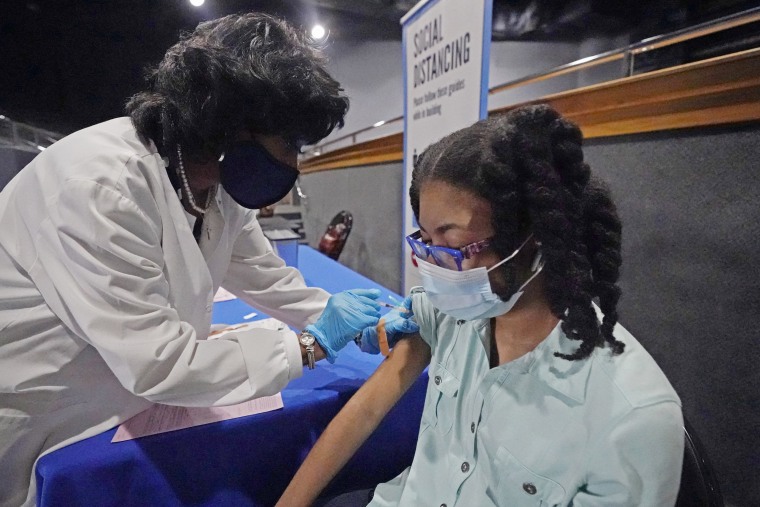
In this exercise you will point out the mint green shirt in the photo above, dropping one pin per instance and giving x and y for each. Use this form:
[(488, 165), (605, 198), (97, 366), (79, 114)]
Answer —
[(539, 430)]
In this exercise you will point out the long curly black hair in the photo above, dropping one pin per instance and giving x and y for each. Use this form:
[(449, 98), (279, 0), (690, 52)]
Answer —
[(243, 71), (528, 164)]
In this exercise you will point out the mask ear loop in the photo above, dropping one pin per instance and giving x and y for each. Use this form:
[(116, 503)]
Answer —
[(511, 256), (536, 261), (535, 267), (539, 268)]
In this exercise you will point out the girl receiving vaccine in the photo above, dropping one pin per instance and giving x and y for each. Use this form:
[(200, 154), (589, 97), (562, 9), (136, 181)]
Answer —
[(536, 396)]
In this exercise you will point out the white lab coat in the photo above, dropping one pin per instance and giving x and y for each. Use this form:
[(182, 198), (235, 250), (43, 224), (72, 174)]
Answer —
[(106, 299)]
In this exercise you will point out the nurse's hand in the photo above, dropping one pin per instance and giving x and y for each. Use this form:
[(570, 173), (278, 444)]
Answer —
[(346, 315), (398, 322)]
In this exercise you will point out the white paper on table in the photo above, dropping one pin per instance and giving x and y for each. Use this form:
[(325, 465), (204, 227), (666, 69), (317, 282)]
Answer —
[(165, 418), (223, 295)]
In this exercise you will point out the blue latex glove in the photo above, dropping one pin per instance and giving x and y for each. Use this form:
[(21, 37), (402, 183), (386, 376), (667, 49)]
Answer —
[(345, 315), (398, 322)]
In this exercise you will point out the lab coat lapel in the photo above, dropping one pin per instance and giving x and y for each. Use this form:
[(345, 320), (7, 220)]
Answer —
[(190, 283), (213, 227)]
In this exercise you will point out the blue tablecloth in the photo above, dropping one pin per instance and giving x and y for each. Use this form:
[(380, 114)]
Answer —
[(246, 461)]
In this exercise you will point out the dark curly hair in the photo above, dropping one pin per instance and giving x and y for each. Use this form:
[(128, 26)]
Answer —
[(245, 71), (528, 164)]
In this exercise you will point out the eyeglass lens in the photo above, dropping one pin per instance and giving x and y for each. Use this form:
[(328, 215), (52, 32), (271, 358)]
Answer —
[(440, 256), (445, 259)]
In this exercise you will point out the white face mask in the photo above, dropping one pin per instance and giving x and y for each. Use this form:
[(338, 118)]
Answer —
[(467, 294)]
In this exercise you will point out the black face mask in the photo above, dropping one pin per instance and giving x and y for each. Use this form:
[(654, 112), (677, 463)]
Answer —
[(253, 177)]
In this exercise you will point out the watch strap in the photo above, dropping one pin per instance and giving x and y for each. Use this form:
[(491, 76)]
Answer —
[(310, 352)]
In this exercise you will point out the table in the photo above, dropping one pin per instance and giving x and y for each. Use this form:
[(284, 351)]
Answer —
[(279, 222), (247, 461)]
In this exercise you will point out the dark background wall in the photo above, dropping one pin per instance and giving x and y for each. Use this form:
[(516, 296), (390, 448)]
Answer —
[(12, 161), (690, 206)]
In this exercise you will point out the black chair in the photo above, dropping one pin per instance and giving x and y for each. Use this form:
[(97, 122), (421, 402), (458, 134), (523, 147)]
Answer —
[(334, 238), (699, 486)]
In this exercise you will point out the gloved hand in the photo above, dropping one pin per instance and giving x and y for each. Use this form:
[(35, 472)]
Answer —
[(345, 315), (398, 321)]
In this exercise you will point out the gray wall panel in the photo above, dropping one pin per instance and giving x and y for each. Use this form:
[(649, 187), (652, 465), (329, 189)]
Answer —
[(689, 203), (373, 195)]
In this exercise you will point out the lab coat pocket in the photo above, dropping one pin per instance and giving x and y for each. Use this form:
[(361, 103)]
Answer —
[(517, 485), (13, 424), (11, 419), (441, 399)]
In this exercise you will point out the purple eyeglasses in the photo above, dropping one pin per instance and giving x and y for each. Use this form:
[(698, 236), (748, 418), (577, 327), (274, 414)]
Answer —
[(449, 258)]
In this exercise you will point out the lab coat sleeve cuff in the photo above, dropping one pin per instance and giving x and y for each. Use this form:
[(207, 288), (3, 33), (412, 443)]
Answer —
[(272, 358), (293, 353)]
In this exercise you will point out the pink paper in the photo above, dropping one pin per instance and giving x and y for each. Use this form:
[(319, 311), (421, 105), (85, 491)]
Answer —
[(164, 418), (223, 295)]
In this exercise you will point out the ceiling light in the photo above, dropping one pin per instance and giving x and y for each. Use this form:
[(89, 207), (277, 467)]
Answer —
[(318, 32), (197, 3)]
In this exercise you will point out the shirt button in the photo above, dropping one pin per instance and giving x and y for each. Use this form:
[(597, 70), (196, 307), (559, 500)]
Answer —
[(529, 488), (466, 467), (472, 427), (460, 322), (443, 505), (437, 380)]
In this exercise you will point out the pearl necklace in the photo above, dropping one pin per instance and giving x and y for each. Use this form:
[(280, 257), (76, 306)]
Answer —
[(186, 186)]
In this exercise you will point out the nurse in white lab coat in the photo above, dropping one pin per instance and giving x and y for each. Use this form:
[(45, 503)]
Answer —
[(115, 239)]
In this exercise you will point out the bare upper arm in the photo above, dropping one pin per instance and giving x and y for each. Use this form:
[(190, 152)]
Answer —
[(393, 377), (409, 357), (357, 420)]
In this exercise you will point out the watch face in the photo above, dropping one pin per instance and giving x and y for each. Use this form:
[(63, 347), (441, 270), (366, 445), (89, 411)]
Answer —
[(306, 339)]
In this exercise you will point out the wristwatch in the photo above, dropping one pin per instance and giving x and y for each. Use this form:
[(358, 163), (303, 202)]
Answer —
[(307, 340)]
